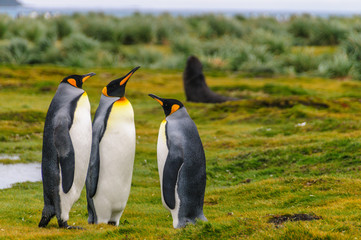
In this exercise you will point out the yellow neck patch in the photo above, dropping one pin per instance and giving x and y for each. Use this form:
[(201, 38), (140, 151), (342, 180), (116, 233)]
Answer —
[(72, 81), (122, 101), (175, 107)]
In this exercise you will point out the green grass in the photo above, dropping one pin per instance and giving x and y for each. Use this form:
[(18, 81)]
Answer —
[(291, 145)]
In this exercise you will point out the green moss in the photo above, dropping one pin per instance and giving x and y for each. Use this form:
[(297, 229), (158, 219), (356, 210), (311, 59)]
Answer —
[(25, 116)]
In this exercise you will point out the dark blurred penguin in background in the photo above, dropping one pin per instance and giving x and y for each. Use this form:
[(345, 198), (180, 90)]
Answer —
[(66, 149), (195, 85), (181, 164)]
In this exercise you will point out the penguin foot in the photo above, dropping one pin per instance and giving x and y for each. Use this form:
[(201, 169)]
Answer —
[(64, 224), (75, 227)]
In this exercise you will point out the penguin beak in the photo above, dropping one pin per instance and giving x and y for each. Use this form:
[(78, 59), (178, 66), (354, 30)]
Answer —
[(86, 76), (158, 99), (126, 77)]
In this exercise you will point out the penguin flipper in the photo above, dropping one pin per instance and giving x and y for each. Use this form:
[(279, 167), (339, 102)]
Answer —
[(94, 162), (93, 171), (171, 170), (65, 151)]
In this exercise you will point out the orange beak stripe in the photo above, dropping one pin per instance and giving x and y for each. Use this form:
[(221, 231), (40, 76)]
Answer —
[(72, 81), (160, 102), (125, 79), (85, 78)]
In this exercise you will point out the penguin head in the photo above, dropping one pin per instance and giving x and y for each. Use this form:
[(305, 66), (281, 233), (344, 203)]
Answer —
[(77, 80), (169, 105), (116, 88)]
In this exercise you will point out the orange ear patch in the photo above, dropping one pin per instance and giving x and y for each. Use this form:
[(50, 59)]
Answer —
[(175, 107), (72, 82), (105, 92)]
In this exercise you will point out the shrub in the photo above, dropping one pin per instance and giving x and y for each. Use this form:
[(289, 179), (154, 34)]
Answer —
[(30, 29), (301, 62), (338, 66), (276, 44), (102, 29), (140, 56), (17, 52), (45, 52), (77, 60), (225, 47), (328, 32), (259, 67), (177, 61), (266, 23), (166, 26), (301, 28), (78, 43), (64, 26), (186, 45), (352, 46), (255, 59), (208, 26), (107, 59), (4, 23), (133, 30)]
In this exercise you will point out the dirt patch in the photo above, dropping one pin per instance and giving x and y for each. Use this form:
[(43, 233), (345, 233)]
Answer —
[(280, 219), (314, 181), (248, 180)]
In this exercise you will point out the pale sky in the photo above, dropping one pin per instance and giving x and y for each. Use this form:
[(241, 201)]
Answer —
[(353, 6)]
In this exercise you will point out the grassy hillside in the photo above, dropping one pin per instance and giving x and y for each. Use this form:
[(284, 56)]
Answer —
[(291, 145)]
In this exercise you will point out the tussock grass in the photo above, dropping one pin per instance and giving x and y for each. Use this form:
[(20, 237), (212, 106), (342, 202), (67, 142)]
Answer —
[(290, 146), (258, 46)]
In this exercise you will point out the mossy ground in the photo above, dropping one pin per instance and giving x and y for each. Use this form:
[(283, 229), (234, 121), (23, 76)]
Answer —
[(290, 145)]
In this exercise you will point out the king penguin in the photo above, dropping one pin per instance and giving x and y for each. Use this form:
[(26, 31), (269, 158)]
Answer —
[(181, 164), (112, 154), (66, 149)]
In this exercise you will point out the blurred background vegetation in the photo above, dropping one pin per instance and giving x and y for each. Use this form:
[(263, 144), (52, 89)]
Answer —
[(298, 45)]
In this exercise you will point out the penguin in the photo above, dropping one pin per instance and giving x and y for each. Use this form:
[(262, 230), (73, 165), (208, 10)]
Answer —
[(66, 149), (112, 154), (181, 164), (195, 85)]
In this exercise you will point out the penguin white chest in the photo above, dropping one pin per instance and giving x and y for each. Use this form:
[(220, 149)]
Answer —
[(162, 153), (116, 150), (81, 137)]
